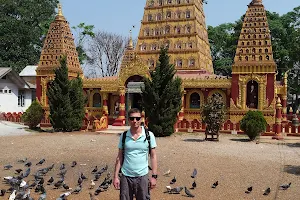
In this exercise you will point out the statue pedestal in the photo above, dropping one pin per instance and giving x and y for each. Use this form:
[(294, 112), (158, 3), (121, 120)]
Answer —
[(119, 122)]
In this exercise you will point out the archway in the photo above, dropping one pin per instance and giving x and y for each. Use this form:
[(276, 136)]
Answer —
[(252, 94)]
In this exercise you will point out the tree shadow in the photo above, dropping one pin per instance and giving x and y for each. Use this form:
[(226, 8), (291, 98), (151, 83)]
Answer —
[(293, 144), (292, 169), (194, 140), (241, 139)]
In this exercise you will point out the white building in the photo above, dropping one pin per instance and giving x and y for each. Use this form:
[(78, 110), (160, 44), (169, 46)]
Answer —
[(17, 91)]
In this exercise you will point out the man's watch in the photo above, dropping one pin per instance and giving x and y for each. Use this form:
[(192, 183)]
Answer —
[(154, 176)]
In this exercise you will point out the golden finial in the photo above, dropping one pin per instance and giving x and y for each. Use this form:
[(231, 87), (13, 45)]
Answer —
[(59, 10), (278, 103), (130, 44), (291, 110)]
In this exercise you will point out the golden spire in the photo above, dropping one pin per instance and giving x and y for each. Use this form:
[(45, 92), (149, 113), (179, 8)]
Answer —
[(130, 43), (256, 2), (59, 10)]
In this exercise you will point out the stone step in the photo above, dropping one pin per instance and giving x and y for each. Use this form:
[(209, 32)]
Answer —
[(114, 130)]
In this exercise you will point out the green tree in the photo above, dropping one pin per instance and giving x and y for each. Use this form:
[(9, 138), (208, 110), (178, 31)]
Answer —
[(59, 99), (22, 28), (253, 124), (83, 32), (33, 115), (161, 97), (78, 101)]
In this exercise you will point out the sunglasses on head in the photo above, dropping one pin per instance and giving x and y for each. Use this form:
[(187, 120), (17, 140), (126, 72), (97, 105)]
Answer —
[(137, 118)]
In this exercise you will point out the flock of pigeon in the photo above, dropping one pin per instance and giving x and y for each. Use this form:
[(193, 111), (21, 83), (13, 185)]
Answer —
[(20, 189), (177, 190)]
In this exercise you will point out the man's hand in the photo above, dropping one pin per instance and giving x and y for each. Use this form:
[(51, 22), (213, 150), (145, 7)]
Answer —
[(117, 183), (152, 183)]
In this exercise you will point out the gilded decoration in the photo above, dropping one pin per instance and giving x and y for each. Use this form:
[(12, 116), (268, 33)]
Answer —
[(209, 82), (188, 98), (106, 84), (191, 114), (94, 111), (243, 81), (221, 92), (44, 83), (136, 67)]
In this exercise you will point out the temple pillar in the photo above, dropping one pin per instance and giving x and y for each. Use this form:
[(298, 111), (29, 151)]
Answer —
[(105, 107), (244, 96), (181, 112), (278, 135), (120, 121)]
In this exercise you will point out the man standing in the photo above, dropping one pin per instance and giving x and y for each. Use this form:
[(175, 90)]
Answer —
[(132, 159)]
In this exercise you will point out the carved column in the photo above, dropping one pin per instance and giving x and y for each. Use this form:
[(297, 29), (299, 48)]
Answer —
[(105, 107), (244, 95), (284, 108), (120, 121), (261, 96), (181, 112), (278, 135)]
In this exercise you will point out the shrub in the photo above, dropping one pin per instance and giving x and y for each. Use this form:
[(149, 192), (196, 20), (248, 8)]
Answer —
[(253, 124), (33, 115)]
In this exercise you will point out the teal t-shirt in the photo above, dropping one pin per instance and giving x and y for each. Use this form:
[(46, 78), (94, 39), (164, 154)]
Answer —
[(136, 154)]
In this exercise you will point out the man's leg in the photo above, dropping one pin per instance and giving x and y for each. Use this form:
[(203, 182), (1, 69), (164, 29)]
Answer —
[(143, 190), (126, 188)]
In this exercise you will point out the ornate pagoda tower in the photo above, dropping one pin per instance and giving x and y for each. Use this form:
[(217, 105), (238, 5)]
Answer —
[(180, 26), (58, 42), (254, 69)]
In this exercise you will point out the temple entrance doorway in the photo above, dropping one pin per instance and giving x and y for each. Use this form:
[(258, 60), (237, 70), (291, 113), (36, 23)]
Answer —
[(133, 94), (252, 94)]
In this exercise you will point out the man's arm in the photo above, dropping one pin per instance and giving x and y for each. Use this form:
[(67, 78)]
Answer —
[(119, 160), (153, 159)]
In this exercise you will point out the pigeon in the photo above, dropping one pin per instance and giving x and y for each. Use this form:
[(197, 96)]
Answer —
[(22, 184), (58, 184), (284, 186), (194, 185), (92, 185), (92, 197), (50, 181), (77, 189), (13, 195), (97, 176), (188, 193), (83, 176), (27, 172), (79, 181), (2, 192), (95, 169), (28, 164), (176, 190), (41, 182), (169, 188), (43, 196), (74, 163), (8, 167), (267, 191), (22, 160), (62, 166), (249, 189), (51, 167), (66, 187), (215, 184), (41, 162), (167, 173), (64, 195), (33, 185), (173, 180), (194, 174), (18, 171)]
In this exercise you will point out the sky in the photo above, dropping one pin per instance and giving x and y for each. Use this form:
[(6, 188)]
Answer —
[(118, 16)]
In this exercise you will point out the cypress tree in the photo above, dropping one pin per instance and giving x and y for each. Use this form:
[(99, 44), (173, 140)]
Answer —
[(162, 97), (78, 101), (59, 99)]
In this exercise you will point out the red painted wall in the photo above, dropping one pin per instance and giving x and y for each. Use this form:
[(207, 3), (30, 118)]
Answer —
[(38, 88), (270, 87), (235, 87)]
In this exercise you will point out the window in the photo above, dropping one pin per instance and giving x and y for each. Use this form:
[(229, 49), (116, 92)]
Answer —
[(158, 17), (1, 91), (151, 63), (149, 17), (195, 100), (168, 30), (179, 63), (21, 98), (191, 62), (97, 100), (160, 2), (188, 14), (168, 14), (188, 29), (9, 91), (169, 1)]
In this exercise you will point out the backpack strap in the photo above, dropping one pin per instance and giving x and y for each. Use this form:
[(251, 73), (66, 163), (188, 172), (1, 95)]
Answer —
[(148, 138), (123, 140)]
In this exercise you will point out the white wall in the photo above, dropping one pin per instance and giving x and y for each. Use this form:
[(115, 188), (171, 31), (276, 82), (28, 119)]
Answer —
[(9, 101)]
